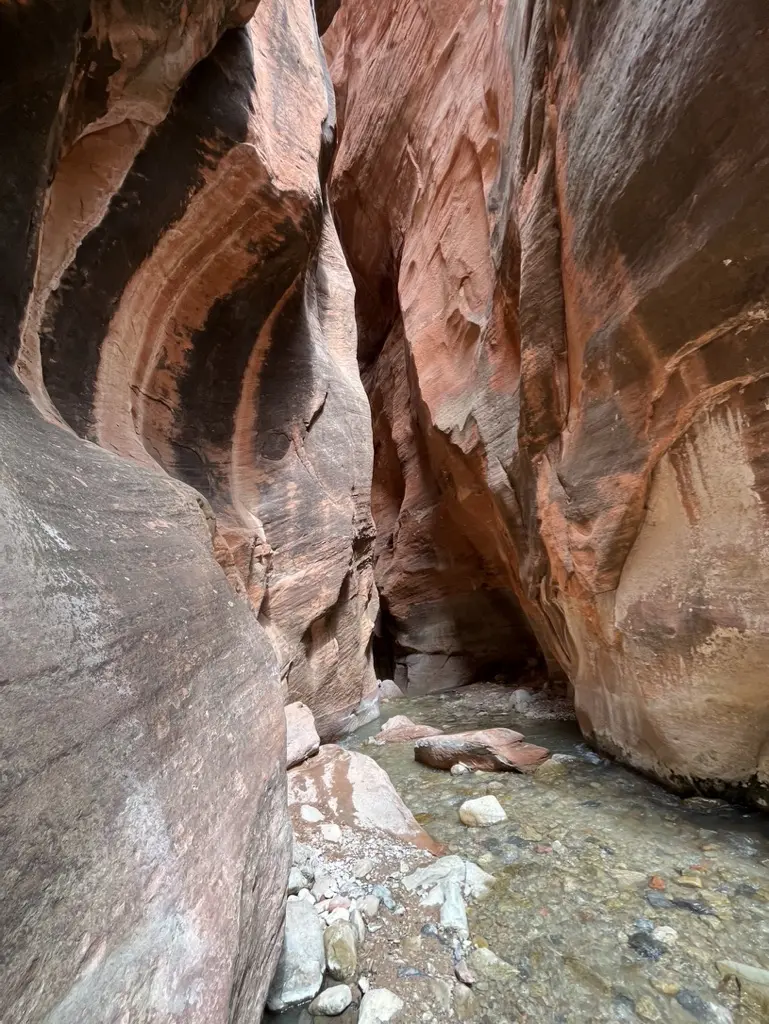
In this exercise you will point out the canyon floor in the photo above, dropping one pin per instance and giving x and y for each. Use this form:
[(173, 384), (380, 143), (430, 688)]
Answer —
[(613, 899)]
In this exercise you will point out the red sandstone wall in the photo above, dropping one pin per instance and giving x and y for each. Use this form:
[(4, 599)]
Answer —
[(555, 218)]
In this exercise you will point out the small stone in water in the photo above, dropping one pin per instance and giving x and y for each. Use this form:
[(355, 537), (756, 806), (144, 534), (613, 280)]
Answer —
[(646, 1010), (460, 769), (667, 988), (655, 882), (658, 901), (693, 881), (647, 946), (668, 936), (481, 812), (643, 924), (696, 906), (708, 1013)]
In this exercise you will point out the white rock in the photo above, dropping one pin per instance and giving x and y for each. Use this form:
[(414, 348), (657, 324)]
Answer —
[(311, 814), (331, 832), (306, 895), (324, 888), (337, 914), (296, 881), (481, 811), (332, 1001), (664, 933), (451, 868), (379, 1006), (299, 974), (453, 913), (369, 907), (434, 897), (363, 868), (477, 881), (363, 984), (460, 769)]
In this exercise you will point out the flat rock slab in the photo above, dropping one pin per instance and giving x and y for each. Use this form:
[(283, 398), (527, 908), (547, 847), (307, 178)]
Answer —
[(352, 791), (400, 729), (490, 750), (302, 740), (302, 963)]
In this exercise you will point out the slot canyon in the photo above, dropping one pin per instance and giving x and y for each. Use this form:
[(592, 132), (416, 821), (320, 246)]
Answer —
[(379, 378)]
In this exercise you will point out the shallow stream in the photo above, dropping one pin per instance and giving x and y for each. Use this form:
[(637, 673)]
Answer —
[(592, 859)]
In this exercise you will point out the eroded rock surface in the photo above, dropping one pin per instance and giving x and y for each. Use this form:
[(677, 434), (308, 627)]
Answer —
[(400, 729), (302, 739), (174, 299), (188, 304), (491, 750), (350, 791), (557, 226), (142, 798)]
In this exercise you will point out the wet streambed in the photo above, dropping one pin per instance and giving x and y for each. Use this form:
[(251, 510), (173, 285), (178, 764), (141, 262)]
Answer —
[(615, 900)]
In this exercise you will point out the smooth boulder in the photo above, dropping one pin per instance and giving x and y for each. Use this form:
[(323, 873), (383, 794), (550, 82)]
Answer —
[(482, 811), (401, 729), (490, 750), (356, 794), (331, 1001), (340, 942), (299, 974)]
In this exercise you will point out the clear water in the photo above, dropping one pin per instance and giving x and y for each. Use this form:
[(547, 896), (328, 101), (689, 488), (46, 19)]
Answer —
[(567, 912)]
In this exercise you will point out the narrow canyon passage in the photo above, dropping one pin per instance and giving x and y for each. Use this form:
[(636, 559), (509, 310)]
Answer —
[(373, 372)]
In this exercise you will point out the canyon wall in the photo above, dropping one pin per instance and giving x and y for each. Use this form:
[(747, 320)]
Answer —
[(178, 388), (555, 218)]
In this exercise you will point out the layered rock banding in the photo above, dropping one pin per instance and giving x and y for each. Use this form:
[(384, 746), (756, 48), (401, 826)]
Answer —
[(175, 310), (489, 750), (557, 229), (191, 308)]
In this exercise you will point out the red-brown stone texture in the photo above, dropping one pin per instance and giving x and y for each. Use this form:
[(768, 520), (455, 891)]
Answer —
[(555, 215), (175, 310)]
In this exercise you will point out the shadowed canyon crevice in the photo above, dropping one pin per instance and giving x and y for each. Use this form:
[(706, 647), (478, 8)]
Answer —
[(461, 310)]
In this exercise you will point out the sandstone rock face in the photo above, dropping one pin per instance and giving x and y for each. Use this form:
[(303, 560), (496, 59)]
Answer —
[(142, 797), (186, 302), (302, 740), (558, 231), (173, 290)]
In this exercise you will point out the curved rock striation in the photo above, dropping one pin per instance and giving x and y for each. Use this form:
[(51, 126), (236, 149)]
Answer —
[(175, 303), (557, 229), (190, 308)]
